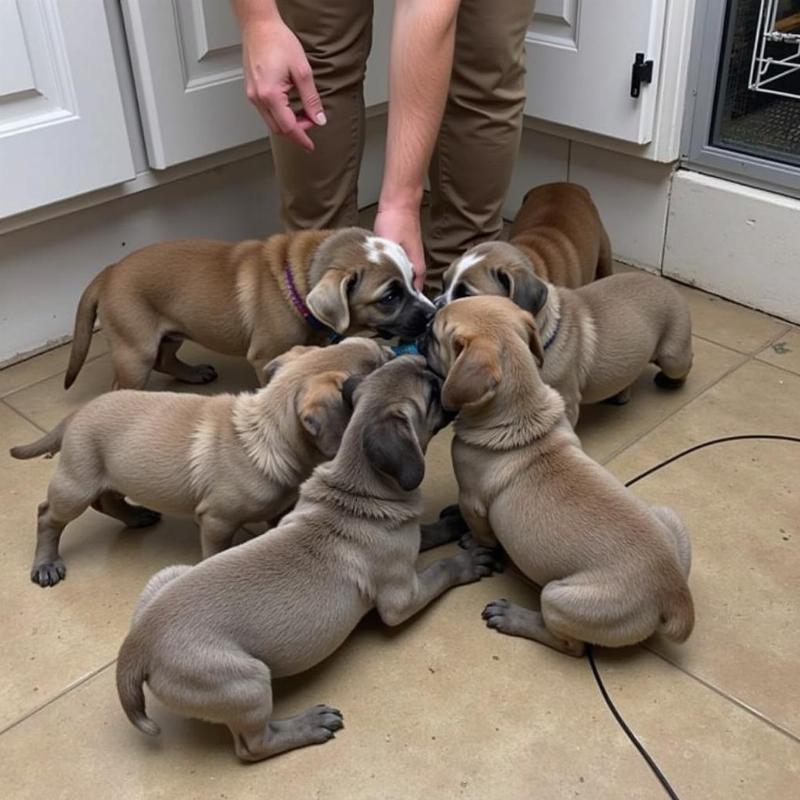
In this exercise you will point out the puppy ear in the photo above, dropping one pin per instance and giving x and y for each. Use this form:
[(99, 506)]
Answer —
[(323, 411), (474, 376), (277, 363), (271, 368), (524, 287), (349, 390), (391, 446), (328, 300)]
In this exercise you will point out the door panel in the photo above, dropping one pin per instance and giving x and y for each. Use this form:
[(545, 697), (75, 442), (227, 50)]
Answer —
[(62, 129), (187, 66), (580, 55)]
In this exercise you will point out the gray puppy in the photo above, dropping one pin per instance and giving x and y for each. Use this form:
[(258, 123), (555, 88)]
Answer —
[(224, 460), (596, 339), (613, 570), (208, 640)]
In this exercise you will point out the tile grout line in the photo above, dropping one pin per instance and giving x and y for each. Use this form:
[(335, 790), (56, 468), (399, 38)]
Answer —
[(21, 414), (784, 370), (623, 448), (46, 377), (754, 712), (63, 693), (750, 354)]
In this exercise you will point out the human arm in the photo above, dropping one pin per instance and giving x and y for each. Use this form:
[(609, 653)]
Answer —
[(421, 60), (274, 62)]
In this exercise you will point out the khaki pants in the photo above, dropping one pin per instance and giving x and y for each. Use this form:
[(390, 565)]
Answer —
[(478, 140)]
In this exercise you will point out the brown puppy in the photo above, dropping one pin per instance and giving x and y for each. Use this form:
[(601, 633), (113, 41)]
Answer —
[(254, 298), (612, 569), (224, 460), (209, 639), (597, 339), (558, 234)]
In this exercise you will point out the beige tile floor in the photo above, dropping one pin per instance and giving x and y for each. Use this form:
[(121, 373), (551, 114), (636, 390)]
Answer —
[(444, 707)]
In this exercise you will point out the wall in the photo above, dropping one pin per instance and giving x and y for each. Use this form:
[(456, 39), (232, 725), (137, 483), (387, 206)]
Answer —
[(726, 238), (631, 193), (735, 241)]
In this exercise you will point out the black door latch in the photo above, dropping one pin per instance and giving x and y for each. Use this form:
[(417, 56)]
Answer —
[(642, 72)]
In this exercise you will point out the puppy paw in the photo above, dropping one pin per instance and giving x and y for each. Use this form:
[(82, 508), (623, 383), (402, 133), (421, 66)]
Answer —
[(502, 616), (619, 399), (478, 562), (202, 373), (468, 541), (448, 528), (322, 722), (665, 382), (48, 574)]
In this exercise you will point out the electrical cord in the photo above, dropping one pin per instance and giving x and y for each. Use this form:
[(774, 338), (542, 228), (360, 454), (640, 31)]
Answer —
[(589, 650)]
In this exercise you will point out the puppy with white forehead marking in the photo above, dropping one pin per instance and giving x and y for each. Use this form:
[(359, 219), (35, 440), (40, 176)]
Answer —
[(557, 234), (208, 640), (254, 298), (596, 339), (224, 460), (613, 570)]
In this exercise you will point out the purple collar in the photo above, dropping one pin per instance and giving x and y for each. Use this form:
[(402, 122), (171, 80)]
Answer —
[(553, 335), (302, 309)]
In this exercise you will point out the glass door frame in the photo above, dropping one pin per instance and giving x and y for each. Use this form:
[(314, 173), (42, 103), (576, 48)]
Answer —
[(697, 152)]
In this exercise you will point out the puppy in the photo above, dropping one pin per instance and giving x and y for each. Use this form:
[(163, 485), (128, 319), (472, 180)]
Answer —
[(597, 339), (613, 570), (208, 640), (252, 298), (224, 460), (557, 234)]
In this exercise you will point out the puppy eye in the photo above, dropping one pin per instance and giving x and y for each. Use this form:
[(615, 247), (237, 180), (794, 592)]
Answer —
[(391, 295), (504, 281), (461, 291)]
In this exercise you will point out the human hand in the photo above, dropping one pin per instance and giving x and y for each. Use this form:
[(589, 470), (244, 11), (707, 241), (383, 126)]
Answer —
[(402, 225), (274, 62)]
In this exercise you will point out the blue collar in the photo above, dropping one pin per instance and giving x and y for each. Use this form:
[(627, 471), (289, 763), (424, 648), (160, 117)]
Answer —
[(552, 337), (303, 310)]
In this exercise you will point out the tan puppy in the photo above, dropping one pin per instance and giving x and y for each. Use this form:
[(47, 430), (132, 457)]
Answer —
[(612, 569), (254, 298), (224, 460), (209, 640), (557, 234), (597, 339)]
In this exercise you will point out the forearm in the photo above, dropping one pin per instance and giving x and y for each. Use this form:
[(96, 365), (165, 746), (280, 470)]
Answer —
[(253, 12), (423, 37)]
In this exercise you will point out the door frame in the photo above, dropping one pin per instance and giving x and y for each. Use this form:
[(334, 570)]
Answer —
[(704, 77)]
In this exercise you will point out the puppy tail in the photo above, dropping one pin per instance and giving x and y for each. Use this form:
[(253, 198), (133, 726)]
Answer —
[(131, 675), (677, 612), (48, 445), (84, 326)]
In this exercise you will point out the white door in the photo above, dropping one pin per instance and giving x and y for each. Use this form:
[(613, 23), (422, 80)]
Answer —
[(580, 59), (62, 129), (187, 65)]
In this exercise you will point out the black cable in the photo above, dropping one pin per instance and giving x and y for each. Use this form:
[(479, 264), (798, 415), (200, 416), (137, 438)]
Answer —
[(589, 651)]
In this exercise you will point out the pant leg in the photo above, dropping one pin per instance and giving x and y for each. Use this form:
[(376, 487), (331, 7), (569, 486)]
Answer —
[(319, 189), (479, 138)]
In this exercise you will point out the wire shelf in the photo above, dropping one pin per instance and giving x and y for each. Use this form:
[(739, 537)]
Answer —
[(776, 51)]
